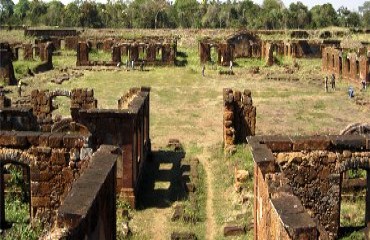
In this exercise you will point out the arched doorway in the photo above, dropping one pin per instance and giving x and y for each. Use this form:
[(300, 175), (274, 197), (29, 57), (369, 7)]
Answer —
[(15, 191), (354, 198)]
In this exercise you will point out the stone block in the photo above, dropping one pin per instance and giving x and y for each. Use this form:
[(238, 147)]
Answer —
[(310, 143), (41, 201), (234, 230), (56, 140), (44, 139)]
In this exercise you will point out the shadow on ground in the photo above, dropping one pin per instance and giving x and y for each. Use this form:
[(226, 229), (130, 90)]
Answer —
[(347, 231), (161, 183)]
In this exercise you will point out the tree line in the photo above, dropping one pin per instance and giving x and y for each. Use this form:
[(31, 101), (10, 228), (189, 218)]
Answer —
[(272, 14)]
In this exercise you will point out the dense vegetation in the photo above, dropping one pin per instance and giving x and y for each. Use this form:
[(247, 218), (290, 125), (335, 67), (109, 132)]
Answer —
[(272, 14)]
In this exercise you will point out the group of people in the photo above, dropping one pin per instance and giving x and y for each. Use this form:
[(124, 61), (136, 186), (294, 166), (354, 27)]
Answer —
[(351, 91), (332, 83), (132, 65), (230, 68)]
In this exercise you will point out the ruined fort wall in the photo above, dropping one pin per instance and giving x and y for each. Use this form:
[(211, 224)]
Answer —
[(89, 210), (239, 119), (55, 160)]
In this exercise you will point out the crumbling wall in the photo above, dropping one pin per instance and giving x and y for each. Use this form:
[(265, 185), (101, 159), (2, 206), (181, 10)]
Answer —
[(46, 56), (127, 127), (204, 52), (268, 53), (71, 43), (42, 104), (6, 65), (310, 169), (27, 51), (351, 65), (54, 160), (225, 54), (239, 119), (82, 54), (38, 32), (89, 210)]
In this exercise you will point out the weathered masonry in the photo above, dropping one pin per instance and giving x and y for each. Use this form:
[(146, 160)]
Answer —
[(350, 65), (239, 116), (298, 183), (6, 65), (150, 50)]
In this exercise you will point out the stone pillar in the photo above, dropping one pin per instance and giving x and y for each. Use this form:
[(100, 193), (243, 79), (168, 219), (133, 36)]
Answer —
[(6, 65), (204, 52), (82, 54), (269, 54), (151, 53), (116, 54), (134, 52), (2, 199), (28, 52)]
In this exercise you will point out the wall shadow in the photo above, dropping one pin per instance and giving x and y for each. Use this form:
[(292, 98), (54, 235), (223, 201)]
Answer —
[(161, 183)]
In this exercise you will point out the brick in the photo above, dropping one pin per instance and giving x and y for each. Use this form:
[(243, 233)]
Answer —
[(44, 139), (41, 201), (56, 140)]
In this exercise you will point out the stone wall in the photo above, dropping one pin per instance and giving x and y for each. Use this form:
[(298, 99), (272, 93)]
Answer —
[(6, 65), (350, 65), (309, 169), (46, 56), (37, 32), (128, 128), (89, 210), (239, 119), (42, 104), (71, 43), (54, 161)]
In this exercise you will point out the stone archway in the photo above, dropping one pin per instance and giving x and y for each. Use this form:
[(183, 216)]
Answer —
[(356, 129), (16, 157), (356, 163)]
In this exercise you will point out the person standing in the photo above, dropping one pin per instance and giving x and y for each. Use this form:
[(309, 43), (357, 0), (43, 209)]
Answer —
[(20, 88), (326, 84), (363, 82), (332, 81)]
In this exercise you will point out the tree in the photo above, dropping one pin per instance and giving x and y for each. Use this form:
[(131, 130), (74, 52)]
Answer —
[(185, 12), (55, 13), (365, 10), (71, 15), (6, 11), (298, 16), (249, 14), (89, 15), (273, 14), (36, 12), (323, 16), (21, 9)]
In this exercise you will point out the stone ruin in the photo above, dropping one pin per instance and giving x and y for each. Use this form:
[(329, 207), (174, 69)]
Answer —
[(351, 65), (81, 161), (6, 65), (152, 51), (298, 183), (10, 52), (239, 116), (247, 44)]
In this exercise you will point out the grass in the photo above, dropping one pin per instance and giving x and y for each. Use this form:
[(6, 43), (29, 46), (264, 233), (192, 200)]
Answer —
[(225, 198)]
